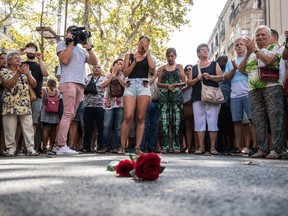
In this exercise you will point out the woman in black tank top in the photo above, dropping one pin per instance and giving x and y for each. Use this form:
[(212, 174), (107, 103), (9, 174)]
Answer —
[(210, 74), (137, 91)]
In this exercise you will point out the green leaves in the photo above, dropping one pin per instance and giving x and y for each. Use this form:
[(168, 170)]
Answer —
[(115, 25)]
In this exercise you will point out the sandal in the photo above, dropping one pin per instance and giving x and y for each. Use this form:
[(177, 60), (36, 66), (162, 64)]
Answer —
[(138, 151), (177, 151), (199, 151), (213, 151), (163, 151), (273, 155), (121, 151), (259, 154)]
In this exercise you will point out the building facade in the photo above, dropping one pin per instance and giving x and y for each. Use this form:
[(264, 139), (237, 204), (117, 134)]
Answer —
[(240, 18)]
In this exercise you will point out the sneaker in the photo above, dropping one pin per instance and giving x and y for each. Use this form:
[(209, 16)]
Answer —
[(10, 153), (32, 153), (65, 150), (53, 151), (245, 150)]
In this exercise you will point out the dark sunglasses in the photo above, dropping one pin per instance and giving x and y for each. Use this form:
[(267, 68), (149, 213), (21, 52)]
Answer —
[(188, 69)]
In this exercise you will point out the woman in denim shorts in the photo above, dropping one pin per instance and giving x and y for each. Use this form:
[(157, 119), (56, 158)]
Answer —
[(137, 91)]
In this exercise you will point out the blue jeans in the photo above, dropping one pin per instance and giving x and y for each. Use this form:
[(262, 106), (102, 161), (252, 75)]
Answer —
[(151, 126), (112, 119)]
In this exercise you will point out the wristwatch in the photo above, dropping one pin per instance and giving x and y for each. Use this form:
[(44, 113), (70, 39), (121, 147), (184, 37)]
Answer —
[(89, 49)]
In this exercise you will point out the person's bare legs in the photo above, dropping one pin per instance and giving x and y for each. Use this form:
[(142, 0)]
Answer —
[(45, 136), (213, 138), (200, 138), (247, 135), (238, 131), (142, 103), (73, 135), (129, 108)]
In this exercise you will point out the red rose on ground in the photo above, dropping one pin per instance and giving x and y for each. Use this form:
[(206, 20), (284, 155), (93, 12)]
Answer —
[(147, 166), (124, 167)]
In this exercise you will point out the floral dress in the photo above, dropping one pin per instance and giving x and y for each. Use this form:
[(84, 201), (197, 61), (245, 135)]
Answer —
[(16, 100)]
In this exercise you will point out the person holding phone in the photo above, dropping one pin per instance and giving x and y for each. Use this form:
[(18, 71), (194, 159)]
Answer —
[(16, 103), (137, 91), (39, 70)]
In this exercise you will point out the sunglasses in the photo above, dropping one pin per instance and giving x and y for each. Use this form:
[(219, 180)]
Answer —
[(188, 69)]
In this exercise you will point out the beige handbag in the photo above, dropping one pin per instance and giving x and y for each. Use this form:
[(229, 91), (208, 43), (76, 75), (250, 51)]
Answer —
[(33, 96), (210, 94)]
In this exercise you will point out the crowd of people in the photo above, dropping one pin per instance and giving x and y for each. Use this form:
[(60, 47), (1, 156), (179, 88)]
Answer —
[(136, 107)]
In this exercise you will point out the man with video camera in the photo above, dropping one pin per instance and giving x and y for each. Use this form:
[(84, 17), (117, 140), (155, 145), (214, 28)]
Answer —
[(72, 59)]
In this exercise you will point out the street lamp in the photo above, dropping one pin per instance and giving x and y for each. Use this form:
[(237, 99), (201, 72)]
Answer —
[(48, 34)]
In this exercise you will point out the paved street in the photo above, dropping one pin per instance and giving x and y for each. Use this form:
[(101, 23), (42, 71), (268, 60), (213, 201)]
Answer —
[(190, 185)]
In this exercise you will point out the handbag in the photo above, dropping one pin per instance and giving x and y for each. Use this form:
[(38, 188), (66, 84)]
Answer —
[(115, 88), (91, 87), (268, 74), (32, 93), (52, 103), (210, 94)]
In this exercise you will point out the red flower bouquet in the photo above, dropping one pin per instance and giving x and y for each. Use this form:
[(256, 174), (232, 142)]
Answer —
[(145, 167), (124, 167)]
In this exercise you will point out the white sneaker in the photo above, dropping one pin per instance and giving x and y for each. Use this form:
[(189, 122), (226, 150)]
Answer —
[(32, 152), (245, 150), (66, 151), (10, 153), (55, 149)]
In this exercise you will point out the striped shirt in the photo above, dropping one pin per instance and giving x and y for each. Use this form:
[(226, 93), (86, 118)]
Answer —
[(74, 71)]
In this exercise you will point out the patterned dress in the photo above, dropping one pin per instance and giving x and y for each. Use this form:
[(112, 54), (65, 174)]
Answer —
[(171, 104)]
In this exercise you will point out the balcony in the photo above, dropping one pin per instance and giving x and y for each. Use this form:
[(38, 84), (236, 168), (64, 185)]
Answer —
[(243, 8)]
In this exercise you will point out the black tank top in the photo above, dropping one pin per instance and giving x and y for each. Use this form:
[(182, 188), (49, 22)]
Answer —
[(141, 69), (211, 69)]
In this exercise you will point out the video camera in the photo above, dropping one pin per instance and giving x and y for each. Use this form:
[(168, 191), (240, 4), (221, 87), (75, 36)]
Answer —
[(79, 36)]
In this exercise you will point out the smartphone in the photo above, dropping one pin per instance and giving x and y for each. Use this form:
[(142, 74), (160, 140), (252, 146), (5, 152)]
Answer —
[(29, 50)]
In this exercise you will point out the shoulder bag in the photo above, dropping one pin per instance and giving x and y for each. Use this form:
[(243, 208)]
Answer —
[(210, 94), (91, 87), (115, 88), (268, 74), (32, 93)]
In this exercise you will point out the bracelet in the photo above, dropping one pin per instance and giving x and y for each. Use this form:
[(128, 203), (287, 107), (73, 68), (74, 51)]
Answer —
[(89, 49), (286, 46)]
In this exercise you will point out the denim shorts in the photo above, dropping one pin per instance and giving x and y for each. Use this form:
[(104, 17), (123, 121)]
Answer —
[(137, 87), (238, 106)]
